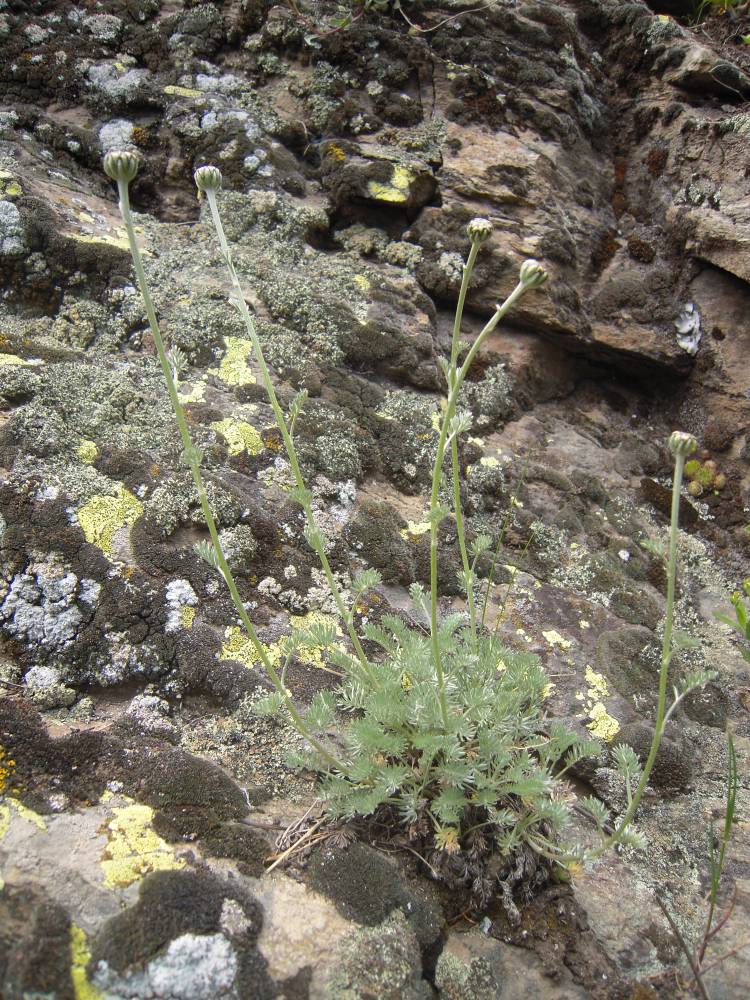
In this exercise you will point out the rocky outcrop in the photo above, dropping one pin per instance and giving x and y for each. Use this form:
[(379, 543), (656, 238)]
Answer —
[(603, 138)]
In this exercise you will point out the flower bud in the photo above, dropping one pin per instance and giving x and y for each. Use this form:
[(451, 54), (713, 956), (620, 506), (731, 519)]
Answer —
[(121, 165), (208, 178), (683, 444), (479, 230), (532, 274)]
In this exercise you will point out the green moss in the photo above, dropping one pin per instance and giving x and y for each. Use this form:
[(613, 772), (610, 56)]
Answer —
[(365, 887)]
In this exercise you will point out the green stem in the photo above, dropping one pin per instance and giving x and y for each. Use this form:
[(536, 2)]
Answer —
[(666, 655), (460, 531), (193, 463), (286, 436), (434, 496)]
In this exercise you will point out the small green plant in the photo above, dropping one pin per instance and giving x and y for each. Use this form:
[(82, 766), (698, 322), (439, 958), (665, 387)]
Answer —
[(702, 476), (741, 621), (448, 745)]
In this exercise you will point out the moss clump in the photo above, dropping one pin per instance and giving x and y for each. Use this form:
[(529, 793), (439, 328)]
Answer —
[(628, 656), (367, 888), (238, 843), (173, 904)]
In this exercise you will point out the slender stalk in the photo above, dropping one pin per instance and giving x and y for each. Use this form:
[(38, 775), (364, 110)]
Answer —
[(287, 438), (191, 455), (666, 656), (501, 310), (460, 532), (717, 864)]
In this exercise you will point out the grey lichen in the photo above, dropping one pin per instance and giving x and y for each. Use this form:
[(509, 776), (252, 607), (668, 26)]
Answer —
[(490, 399), (459, 981), (12, 233), (382, 962)]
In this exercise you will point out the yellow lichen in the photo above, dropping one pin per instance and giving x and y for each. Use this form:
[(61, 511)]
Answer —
[(361, 282), (336, 153), (7, 766), (187, 616), (598, 687), (119, 239), (87, 452), (414, 529), (176, 91), (134, 847), (80, 955), (397, 190), (234, 368), (193, 395), (555, 639), (102, 516), (9, 186), (239, 435), (237, 646), (602, 724), (4, 820), (28, 814), (14, 359)]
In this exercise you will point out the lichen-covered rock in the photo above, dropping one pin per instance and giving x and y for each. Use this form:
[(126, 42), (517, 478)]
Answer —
[(381, 961), (177, 944)]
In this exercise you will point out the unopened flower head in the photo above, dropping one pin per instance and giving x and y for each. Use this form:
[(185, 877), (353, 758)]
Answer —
[(532, 274), (121, 165), (681, 443), (208, 178), (479, 230)]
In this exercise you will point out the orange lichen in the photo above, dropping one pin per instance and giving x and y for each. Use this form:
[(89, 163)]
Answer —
[(7, 767)]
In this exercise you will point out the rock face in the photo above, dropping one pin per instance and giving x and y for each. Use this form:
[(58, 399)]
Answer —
[(605, 139)]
